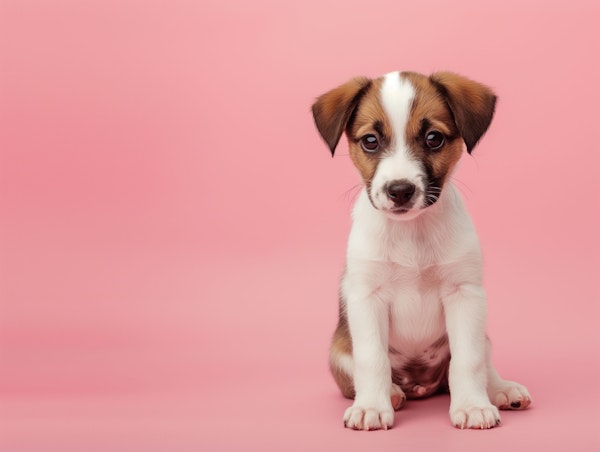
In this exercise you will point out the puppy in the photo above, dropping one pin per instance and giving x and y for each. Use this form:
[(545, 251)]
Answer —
[(412, 306)]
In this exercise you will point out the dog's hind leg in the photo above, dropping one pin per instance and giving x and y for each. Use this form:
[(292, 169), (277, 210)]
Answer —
[(398, 397), (341, 363), (505, 394)]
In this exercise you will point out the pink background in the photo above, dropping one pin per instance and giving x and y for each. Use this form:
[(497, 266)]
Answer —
[(172, 228)]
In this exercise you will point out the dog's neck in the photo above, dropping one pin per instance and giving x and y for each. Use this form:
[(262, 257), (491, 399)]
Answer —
[(436, 235)]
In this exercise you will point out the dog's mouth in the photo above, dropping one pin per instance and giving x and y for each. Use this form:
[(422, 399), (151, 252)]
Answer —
[(403, 213)]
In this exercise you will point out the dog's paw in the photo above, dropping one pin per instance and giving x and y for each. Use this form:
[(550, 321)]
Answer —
[(398, 398), (369, 418), (479, 417), (509, 395)]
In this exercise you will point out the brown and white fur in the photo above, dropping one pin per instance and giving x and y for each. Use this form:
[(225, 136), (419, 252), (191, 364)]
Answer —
[(412, 306)]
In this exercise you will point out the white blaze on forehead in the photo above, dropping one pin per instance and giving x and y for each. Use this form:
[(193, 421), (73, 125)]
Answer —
[(397, 95), (397, 162)]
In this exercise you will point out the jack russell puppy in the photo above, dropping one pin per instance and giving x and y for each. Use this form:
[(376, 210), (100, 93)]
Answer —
[(412, 306)]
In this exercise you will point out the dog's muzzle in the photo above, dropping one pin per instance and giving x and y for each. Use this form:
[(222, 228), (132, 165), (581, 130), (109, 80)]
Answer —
[(401, 192)]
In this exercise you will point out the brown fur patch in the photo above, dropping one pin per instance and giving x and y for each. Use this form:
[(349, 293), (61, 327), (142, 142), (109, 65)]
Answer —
[(430, 108), (369, 118), (341, 345), (416, 373), (333, 110), (419, 377), (472, 104)]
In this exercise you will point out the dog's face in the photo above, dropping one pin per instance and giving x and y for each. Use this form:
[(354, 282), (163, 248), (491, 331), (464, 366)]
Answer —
[(405, 133)]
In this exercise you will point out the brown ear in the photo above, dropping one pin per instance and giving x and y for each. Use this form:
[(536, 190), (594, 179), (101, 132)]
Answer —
[(333, 109), (472, 105)]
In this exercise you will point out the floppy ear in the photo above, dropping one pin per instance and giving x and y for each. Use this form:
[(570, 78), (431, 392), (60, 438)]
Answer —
[(472, 105), (333, 109)]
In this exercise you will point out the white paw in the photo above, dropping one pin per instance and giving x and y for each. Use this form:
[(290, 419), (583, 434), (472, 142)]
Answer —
[(509, 395), (362, 418), (480, 417)]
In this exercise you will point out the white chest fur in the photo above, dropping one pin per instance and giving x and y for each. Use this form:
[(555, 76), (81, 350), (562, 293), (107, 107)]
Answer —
[(409, 265)]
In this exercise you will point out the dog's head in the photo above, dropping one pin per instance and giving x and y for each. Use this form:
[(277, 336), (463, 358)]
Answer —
[(405, 133)]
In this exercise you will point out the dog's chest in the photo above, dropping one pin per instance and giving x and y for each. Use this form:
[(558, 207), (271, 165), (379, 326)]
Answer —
[(415, 308)]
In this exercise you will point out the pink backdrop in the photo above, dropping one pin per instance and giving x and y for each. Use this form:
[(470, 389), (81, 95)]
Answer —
[(172, 228)]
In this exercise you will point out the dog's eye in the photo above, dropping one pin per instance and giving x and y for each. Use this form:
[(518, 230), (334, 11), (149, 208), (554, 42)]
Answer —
[(370, 143), (434, 140)]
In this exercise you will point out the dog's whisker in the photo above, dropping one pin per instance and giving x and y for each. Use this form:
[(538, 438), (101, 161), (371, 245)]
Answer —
[(351, 194), (462, 186)]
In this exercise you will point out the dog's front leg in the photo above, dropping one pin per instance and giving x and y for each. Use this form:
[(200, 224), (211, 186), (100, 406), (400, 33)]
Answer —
[(470, 406), (368, 320)]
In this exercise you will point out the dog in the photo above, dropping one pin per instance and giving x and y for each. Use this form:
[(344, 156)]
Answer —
[(412, 306)]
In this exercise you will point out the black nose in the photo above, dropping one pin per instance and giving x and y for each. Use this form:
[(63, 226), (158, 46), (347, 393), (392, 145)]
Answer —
[(400, 192)]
